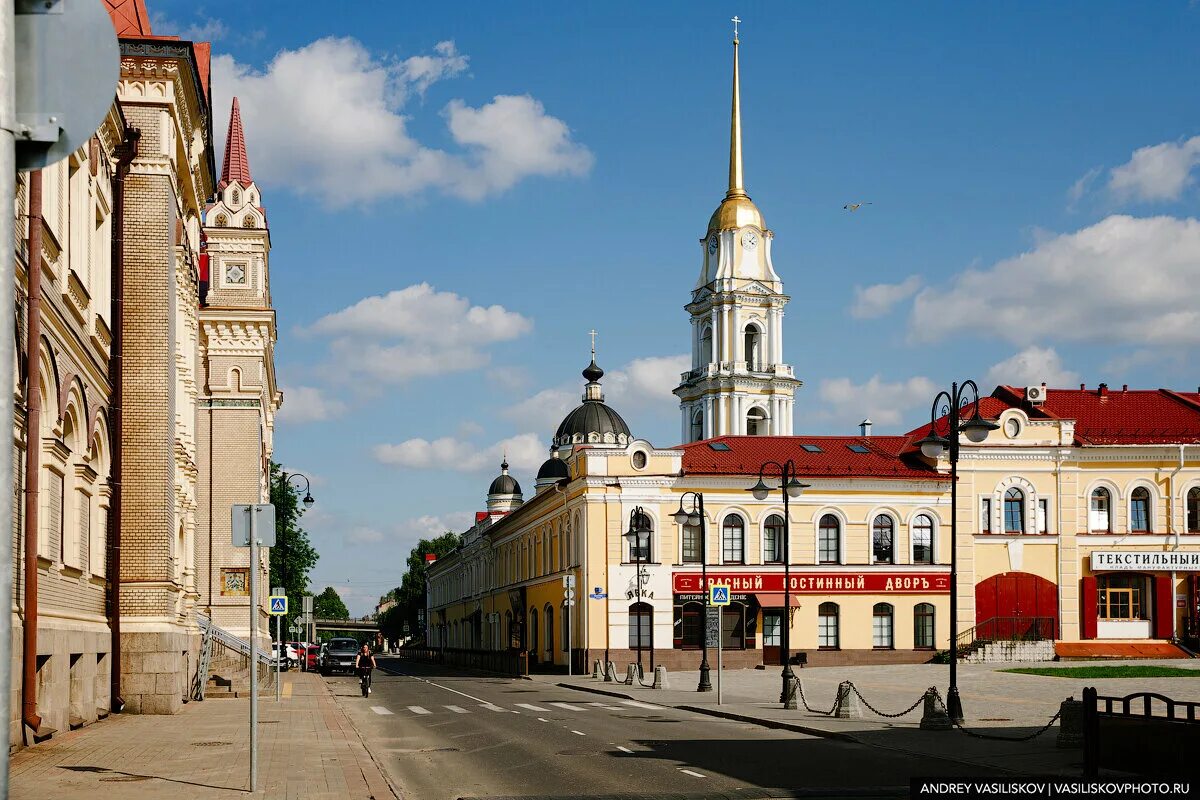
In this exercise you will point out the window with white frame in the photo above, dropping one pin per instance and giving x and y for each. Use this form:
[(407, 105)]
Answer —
[(1100, 511), (1014, 511), (985, 515), (1139, 510), (827, 626), (881, 626), (640, 549), (753, 342), (706, 346), (697, 426), (883, 540), (923, 626), (829, 540), (733, 540), (756, 422), (773, 533), (691, 544), (922, 539), (1043, 515), (1193, 510)]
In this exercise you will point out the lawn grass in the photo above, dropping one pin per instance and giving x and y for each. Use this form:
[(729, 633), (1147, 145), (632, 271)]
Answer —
[(1132, 671)]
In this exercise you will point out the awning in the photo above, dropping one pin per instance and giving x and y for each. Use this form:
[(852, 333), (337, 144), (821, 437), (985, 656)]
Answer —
[(775, 599)]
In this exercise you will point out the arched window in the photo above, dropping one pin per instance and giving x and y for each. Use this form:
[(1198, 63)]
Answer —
[(689, 626), (883, 536), (641, 617), (532, 644), (1139, 510), (697, 426), (640, 548), (827, 626), (693, 548), (881, 626), (733, 540), (922, 539), (1014, 511), (756, 422), (1193, 510), (829, 540), (1100, 511), (923, 626), (513, 641), (706, 347), (548, 651), (773, 533), (753, 341)]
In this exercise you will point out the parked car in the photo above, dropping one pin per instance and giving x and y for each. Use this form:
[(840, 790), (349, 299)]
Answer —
[(312, 661), (286, 663), (340, 655), (297, 653)]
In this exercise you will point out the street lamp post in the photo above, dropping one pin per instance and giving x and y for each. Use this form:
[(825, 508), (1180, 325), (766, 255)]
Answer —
[(976, 429), (790, 488), (308, 501), (695, 518), (639, 531)]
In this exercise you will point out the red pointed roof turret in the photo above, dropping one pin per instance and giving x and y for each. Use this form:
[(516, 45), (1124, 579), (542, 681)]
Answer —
[(237, 165)]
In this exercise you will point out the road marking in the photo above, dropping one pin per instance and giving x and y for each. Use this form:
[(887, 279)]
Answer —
[(624, 749), (567, 706), (458, 709), (606, 705), (579, 733), (693, 774), (530, 706), (447, 688), (640, 704), (419, 710), (380, 710), (542, 719), (494, 707)]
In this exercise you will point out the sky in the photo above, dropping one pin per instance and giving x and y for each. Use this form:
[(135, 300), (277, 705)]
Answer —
[(457, 193)]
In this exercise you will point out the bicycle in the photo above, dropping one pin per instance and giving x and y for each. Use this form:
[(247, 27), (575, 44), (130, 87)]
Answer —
[(364, 679)]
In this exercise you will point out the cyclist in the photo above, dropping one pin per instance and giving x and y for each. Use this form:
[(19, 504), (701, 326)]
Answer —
[(364, 663)]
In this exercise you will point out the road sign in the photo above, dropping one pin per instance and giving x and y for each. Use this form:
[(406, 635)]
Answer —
[(718, 595), (568, 594), (67, 63), (279, 605), (712, 627), (264, 524), (568, 581), (598, 595), (306, 604)]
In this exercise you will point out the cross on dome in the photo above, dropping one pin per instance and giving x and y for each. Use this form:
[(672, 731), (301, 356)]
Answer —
[(735, 22)]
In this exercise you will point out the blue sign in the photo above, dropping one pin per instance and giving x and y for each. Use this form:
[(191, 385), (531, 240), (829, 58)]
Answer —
[(598, 595), (279, 605), (718, 595)]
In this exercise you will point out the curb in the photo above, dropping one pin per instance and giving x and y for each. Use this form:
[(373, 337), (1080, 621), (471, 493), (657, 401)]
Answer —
[(712, 712), (387, 779)]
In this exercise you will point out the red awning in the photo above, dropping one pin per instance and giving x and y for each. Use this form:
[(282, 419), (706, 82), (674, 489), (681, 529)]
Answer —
[(774, 599)]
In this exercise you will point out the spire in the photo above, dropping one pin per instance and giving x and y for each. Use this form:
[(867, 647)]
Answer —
[(736, 187), (236, 166), (593, 373)]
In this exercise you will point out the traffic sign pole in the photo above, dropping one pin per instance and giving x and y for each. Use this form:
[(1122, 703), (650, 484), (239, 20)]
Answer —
[(275, 592), (252, 511)]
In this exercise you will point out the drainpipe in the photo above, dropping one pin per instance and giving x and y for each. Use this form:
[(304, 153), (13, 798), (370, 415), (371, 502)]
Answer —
[(33, 454), (125, 154)]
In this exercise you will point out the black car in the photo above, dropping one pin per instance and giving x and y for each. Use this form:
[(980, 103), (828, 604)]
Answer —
[(340, 656)]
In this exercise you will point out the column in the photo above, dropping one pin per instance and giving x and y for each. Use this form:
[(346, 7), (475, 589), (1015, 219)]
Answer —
[(708, 418), (738, 341), (716, 333)]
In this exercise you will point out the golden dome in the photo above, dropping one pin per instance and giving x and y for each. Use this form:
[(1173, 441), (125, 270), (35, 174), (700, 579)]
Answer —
[(734, 212)]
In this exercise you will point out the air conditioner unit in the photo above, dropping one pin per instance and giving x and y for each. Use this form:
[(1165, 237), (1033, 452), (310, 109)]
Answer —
[(1036, 394)]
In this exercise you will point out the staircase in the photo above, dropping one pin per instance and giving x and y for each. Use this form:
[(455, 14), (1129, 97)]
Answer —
[(224, 667), (1006, 639)]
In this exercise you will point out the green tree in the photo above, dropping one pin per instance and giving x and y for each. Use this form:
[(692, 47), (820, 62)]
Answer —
[(410, 594), (328, 605), (293, 556)]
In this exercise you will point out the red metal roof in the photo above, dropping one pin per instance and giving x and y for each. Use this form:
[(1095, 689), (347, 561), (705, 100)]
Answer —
[(129, 17), (886, 457), (1105, 416), (237, 165)]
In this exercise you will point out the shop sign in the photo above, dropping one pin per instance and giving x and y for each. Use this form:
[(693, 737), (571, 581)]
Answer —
[(1109, 560), (818, 582), (696, 597)]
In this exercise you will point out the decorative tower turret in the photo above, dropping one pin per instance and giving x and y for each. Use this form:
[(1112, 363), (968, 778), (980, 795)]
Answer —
[(738, 383)]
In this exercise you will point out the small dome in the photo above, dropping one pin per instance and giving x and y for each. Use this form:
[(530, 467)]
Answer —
[(553, 469), (736, 212), (592, 372), (593, 422), (504, 483)]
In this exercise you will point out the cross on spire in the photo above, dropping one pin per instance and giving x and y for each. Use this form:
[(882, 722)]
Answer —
[(592, 333), (736, 21)]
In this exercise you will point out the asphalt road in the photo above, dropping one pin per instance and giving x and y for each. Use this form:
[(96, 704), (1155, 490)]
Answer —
[(443, 733)]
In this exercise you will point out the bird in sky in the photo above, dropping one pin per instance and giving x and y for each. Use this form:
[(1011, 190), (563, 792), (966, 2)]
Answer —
[(854, 206)]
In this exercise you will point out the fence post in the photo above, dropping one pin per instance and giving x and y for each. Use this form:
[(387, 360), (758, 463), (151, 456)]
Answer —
[(1091, 733), (1070, 723), (935, 717)]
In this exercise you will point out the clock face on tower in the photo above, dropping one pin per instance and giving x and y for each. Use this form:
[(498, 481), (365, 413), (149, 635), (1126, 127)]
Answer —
[(749, 240), (712, 244)]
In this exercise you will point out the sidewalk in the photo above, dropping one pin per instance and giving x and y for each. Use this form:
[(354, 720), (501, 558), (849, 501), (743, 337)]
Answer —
[(308, 750), (994, 703)]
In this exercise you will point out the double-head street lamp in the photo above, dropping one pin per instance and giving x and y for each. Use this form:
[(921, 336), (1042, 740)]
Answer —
[(638, 537), (695, 519), (791, 489), (308, 501), (951, 405)]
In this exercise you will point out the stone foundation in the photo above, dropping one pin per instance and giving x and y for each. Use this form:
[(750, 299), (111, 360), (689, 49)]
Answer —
[(157, 670), (1005, 652), (683, 660)]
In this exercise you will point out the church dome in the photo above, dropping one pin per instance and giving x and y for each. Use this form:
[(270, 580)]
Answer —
[(735, 212), (592, 422), (553, 469), (504, 483)]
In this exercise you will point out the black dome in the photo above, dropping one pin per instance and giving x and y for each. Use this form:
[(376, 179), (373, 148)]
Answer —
[(592, 417), (554, 469), (504, 484)]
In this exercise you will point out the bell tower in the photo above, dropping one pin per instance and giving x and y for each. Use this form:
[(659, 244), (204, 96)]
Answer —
[(738, 383)]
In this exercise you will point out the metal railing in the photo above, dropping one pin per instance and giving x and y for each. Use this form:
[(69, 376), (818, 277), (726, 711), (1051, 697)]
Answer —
[(225, 639), (1006, 629), (505, 662)]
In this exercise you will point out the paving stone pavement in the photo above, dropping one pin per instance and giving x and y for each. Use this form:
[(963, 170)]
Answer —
[(308, 750), (994, 702)]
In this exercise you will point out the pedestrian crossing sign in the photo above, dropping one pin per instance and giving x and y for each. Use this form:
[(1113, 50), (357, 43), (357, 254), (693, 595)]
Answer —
[(279, 605), (718, 595)]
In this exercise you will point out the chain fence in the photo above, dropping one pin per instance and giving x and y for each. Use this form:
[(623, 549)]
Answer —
[(875, 710), (804, 700)]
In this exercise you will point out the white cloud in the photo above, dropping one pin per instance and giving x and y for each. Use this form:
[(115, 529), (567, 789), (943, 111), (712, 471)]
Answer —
[(308, 404), (884, 402), (413, 332), (1124, 280), (363, 535), (545, 409), (344, 137), (875, 301), (1082, 186), (525, 451), (1158, 172), (1030, 367), (431, 525)]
